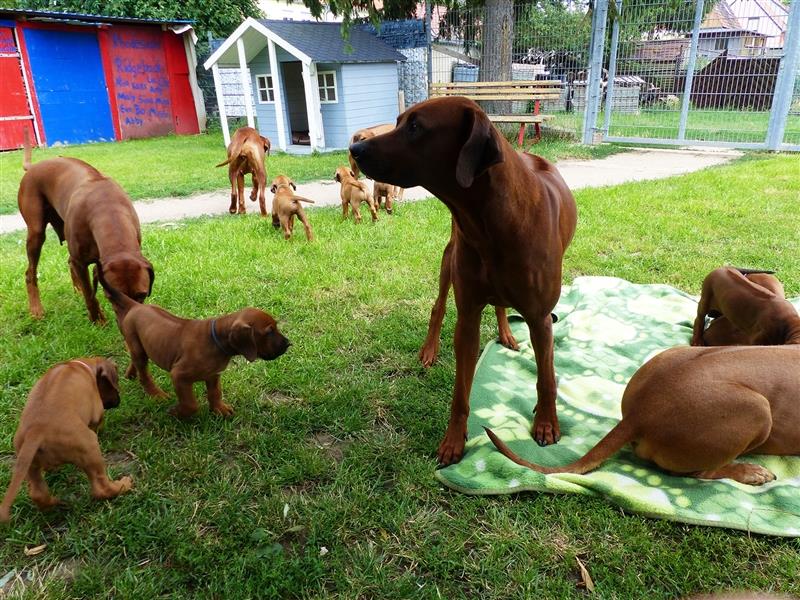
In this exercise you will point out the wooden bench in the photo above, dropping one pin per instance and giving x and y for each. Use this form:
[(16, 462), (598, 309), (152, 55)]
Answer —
[(517, 91)]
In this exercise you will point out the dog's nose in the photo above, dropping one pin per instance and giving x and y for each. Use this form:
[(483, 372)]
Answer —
[(357, 149)]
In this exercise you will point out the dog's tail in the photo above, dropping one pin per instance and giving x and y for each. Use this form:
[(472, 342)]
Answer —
[(621, 434), (301, 199), (224, 162), (24, 460), (120, 300), (26, 144), (753, 271)]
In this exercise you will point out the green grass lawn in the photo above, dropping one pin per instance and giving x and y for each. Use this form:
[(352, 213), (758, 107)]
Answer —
[(183, 165), (321, 484)]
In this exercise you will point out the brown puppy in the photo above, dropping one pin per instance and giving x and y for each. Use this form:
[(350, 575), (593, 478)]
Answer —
[(58, 426), (513, 219), (365, 134), (192, 350), (721, 332), (693, 411), (353, 192), (384, 191), (286, 205), (246, 154), (761, 316), (430, 348), (95, 217)]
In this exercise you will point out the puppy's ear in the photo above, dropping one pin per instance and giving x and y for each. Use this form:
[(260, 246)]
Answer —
[(479, 152), (267, 144), (291, 183), (336, 177), (242, 338), (353, 175), (274, 188), (107, 383)]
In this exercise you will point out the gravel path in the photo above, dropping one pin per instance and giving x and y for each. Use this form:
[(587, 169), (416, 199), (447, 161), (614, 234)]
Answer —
[(636, 165)]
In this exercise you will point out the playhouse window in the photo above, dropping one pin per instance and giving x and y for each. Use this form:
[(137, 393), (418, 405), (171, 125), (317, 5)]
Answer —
[(326, 80), (266, 93)]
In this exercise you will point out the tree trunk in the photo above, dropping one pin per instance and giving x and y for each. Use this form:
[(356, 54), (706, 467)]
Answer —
[(498, 38)]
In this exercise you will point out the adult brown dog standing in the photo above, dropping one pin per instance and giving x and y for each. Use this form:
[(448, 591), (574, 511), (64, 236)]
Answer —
[(353, 192), (750, 308), (286, 205), (58, 426), (95, 217), (513, 218), (693, 411), (246, 154), (192, 350)]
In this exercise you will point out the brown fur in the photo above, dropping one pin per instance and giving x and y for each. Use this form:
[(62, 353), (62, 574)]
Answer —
[(353, 192), (94, 215), (365, 134), (752, 306), (59, 425), (693, 411), (513, 219), (192, 350), (385, 192), (286, 205), (247, 153)]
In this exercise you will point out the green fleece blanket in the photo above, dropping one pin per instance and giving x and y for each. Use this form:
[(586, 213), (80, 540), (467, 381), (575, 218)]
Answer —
[(607, 329)]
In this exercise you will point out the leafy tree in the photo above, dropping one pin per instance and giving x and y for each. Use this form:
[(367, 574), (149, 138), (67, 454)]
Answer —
[(220, 17)]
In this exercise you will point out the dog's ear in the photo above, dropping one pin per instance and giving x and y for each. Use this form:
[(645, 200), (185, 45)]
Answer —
[(353, 175), (267, 144), (291, 183), (148, 265), (479, 152), (242, 338), (336, 177), (107, 383), (274, 188)]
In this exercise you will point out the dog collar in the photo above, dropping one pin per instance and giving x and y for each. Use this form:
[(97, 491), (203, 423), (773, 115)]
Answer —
[(215, 339), (80, 362)]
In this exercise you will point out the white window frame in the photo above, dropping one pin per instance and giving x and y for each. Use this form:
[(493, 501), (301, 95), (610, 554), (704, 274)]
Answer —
[(269, 87), (323, 89)]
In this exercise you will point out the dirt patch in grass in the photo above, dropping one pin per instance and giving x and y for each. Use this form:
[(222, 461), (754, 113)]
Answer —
[(280, 399), (36, 578), (332, 447), (123, 461)]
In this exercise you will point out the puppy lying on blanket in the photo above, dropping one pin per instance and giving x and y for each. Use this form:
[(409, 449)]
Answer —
[(753, 306), (58, 425), (192, 350), (693, 411)]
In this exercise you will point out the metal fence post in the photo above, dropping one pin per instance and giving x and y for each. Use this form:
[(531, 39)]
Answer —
[(612, 70), (599, 17), (784, 84), (429, 40), (687, 86)]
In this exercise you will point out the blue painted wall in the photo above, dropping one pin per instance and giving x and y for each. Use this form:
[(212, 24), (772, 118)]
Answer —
[(70, 86), (369, 92), (334, 115), (265, 113)]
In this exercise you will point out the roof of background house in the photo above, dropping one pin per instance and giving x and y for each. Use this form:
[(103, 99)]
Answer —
[(323, 42), (721, 16), (52, 15)]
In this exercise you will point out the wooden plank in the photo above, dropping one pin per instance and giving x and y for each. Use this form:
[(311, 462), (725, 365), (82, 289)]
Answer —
[(538, 82), (520, 118), (524, 98)]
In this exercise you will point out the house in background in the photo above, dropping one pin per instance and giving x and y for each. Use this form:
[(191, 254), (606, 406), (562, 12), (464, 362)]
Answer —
[(74, 78), (743, 28), (309, 92)]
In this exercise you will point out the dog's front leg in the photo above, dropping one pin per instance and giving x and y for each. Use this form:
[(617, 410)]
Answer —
[(80, 275), (187, 403), (240, 193), (430, 348), (466, 341), (545, 428), (89, 459), (33, 246), (215, 403)]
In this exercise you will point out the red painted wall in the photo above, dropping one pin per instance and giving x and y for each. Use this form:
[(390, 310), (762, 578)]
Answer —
[(140, 81), (12, 91), (184, 111)]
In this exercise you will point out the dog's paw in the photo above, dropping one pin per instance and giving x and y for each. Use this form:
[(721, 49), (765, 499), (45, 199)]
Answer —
[(157, 392), (125, 484), (428, 354), (225, 410), (508, 340), (452, 447), (751, 474), (545, 432), (181, 412)]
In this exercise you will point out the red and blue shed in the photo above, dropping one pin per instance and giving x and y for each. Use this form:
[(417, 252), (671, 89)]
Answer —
[(75, 78)]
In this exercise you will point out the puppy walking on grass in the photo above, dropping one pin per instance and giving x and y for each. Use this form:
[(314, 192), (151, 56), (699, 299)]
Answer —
[(58, 425), (191, 350), (353, 192), (286, 206)]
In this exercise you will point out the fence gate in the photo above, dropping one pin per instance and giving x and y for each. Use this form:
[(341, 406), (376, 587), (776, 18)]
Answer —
[(700, 72)]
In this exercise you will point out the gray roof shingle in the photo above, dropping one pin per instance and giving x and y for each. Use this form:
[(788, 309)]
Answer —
[(323, 42)]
